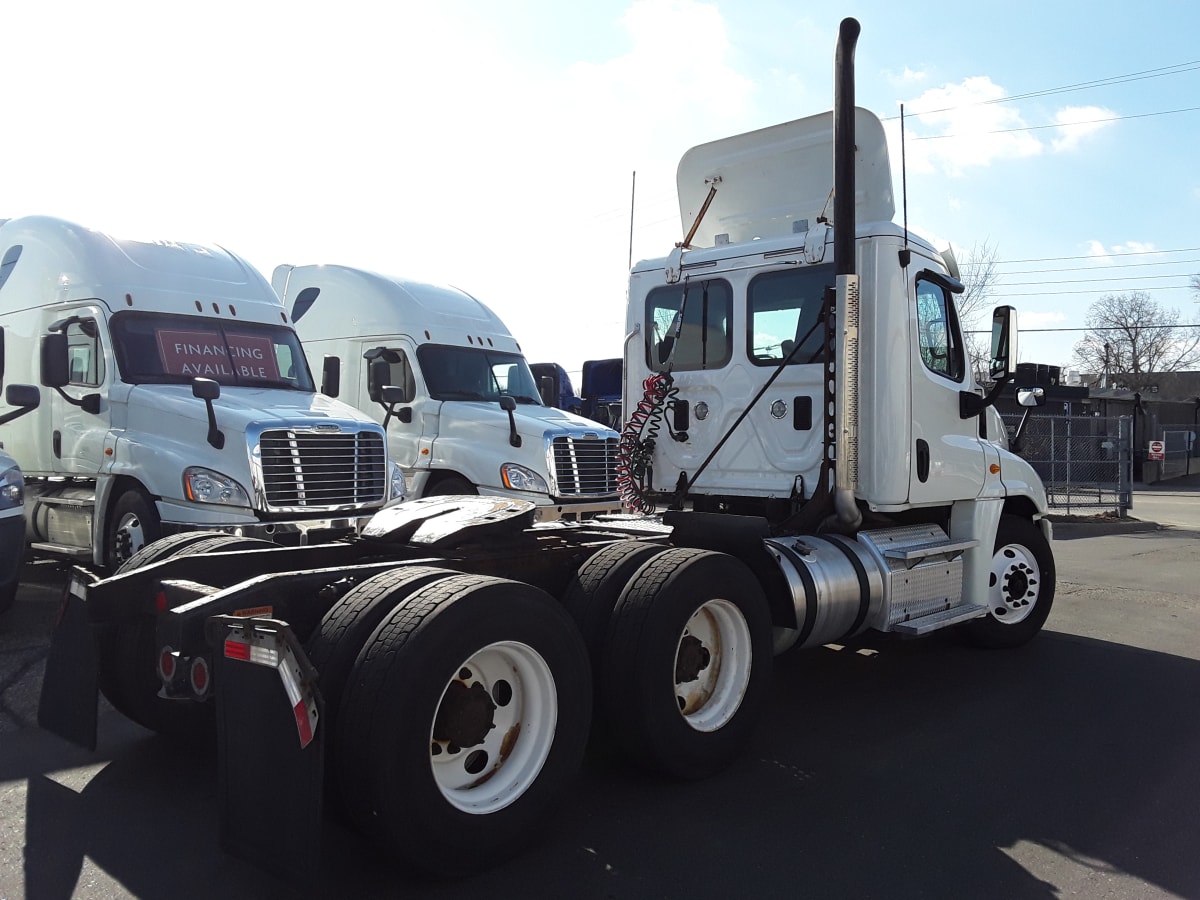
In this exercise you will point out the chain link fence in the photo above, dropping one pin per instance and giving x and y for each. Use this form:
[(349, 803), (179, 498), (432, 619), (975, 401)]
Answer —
[(1085, 462), (1181, 452)]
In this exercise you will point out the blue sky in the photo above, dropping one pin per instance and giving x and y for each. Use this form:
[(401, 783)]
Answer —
[(491, 146)]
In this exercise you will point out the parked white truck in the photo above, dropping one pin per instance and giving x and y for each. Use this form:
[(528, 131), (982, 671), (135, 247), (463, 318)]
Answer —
[(467, 416), (178, 399), (805, 412)]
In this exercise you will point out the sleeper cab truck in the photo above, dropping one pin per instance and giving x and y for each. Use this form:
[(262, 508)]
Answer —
[(465, 415), (177, 398), (812, 458)]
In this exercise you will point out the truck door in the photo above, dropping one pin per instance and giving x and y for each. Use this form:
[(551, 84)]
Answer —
[(394, 365), (948, 459), (77, 435)]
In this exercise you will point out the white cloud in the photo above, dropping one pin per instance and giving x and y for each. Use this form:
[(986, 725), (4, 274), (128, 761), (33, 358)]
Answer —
[(1104, 255), (1077, 123), (958, 126), (906, 78)]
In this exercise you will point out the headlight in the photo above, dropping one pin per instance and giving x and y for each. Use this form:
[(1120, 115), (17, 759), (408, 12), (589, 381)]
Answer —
[(398, 489), (519, 478), (12, 488), (206, 486)]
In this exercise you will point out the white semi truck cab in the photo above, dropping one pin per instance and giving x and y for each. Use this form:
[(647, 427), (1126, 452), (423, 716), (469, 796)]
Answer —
[(177, 397), (466, 416)]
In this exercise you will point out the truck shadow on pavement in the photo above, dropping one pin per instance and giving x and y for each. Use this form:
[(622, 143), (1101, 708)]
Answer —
[(883, 768)]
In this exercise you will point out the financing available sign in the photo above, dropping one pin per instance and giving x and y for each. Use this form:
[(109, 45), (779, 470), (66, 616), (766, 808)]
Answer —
[(228, 358)]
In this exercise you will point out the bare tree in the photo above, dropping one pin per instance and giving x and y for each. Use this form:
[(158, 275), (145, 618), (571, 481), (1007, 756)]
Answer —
[(1131, 337), (977, 272)]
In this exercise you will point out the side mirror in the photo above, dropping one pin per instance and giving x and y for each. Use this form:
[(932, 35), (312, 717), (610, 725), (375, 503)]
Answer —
[(331, 376), (205, 389), (25, 397), (378, 375), (1004, 343), (56, 366), (208, 390), (548, 390), (508, 403), (389, 396), (1031, 396)]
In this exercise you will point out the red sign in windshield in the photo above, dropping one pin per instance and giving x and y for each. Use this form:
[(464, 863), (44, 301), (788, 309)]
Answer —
[(206, 354)]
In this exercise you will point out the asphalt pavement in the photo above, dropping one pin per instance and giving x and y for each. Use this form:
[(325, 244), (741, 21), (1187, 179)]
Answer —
[(883, 768)]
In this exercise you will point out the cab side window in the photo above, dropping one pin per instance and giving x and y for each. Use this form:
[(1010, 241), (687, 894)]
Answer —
[(702, 339), (785, 321), (400, 373), (84, 355), (938, 333)]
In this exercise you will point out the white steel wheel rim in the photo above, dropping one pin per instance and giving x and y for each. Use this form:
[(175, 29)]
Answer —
[(1015, 584), (712, 665), (497, 769), (131, 537)]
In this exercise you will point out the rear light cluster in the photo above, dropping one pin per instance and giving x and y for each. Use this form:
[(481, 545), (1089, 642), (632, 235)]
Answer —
[(183, 678)]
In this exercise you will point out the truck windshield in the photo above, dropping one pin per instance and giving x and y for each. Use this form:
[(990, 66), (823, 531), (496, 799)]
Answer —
[(153, 348), (469, 373)]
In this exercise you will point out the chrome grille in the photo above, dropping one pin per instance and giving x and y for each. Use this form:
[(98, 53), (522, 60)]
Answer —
[(311, 470), (584, 466)]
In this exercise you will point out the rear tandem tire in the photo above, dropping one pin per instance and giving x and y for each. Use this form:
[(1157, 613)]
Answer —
[(1021, 587), (464, 721), (343, 632), (687, 662)]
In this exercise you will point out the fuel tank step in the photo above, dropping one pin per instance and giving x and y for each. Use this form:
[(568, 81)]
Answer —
[(941, 619)]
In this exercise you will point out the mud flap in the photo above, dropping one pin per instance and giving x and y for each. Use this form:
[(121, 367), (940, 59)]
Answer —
[(270, 745), (70, 688)]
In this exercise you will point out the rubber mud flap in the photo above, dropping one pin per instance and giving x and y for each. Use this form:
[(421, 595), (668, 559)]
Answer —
[(70, 687), (269, 780)]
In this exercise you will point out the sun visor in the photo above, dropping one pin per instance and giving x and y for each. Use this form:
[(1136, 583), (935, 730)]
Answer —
[(775, 179)]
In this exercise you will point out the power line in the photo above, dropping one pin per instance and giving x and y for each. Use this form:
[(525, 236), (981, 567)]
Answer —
[(959, 134), (1168, 262), (1177, 69), (1090, 256), (1086, 291)]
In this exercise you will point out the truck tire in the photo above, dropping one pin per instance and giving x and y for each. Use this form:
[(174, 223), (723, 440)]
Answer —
[(342, 634), (132, 525), (1020, 588), (687, 662), (596, 587), (128, 673), (464, 721), (452, 486)]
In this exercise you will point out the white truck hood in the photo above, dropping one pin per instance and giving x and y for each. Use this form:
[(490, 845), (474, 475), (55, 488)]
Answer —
[(165, 408)]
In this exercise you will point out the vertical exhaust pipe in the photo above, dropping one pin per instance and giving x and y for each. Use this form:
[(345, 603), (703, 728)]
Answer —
[(847, 311)]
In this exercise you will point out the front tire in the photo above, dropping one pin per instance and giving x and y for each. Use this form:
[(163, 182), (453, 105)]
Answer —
[(133, 524), (687, 662), (465, 718), (1020, 587), (453, 486)]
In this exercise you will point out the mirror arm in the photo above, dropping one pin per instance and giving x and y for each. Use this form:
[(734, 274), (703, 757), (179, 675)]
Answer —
[(971, 404)]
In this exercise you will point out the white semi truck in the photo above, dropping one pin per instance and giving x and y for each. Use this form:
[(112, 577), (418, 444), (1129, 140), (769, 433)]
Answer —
[(811, 459), (177, 398), (466, 416)]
